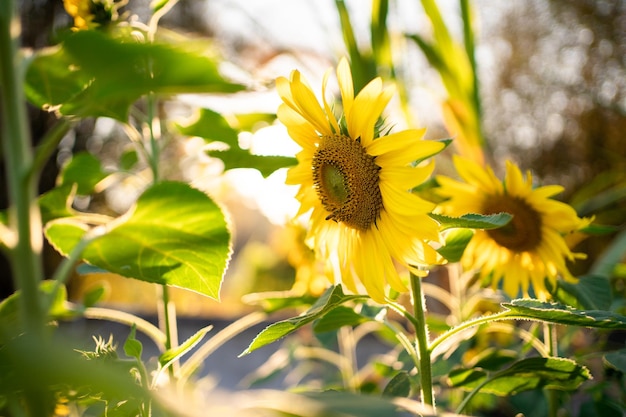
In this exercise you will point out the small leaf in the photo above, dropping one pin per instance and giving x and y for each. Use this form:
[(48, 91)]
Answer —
[(560, 314), (332, 298), (456, 242), (273, 301), (132, 346), (213, 127), (399, 386), (56, 203), (175, 235), (617, 360), (338, 317), (171, 355), (84, 170), (94, 295), (128, 160), (473, 221)]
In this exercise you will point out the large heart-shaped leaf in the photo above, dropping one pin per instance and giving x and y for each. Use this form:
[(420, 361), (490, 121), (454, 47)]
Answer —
[(175, 235)]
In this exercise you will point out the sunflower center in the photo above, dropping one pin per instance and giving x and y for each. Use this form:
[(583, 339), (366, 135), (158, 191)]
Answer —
[(346, 181), (523, 232)]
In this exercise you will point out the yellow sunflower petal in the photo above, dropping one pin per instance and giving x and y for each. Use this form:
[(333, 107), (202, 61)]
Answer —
[(367, 107), (474, 174), (344, 77), (308, 106)]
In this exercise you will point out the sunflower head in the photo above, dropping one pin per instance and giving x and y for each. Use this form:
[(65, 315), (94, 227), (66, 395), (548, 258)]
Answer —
[(90, 14), (355, 182), (531, 249)]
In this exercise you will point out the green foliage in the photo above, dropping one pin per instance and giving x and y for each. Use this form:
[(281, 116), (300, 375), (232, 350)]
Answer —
[(84, 170), (331, 299), (398, 386), (174, 235), (473, 221), (213, 127), (91, 74), (168, 357), (524, 375), (561, 314)]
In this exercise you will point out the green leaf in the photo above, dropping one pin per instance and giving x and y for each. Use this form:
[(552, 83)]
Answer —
[(171, 355), (93, 74), (128, 159), (524, 375), (85, 171), (56, 203), (473, 221), (332, 298), (175, 235), (492, 359), (399, 386), (132, 346), (456, 242), (273, 301), (560, 314), (213, 127), (590, 292), (338, 317), (617, 360), (10, 319), (93, 295)]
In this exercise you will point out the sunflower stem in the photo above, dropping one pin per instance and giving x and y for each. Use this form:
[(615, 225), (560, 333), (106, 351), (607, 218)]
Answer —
[(23, 213), (421, 335), (551, 340)]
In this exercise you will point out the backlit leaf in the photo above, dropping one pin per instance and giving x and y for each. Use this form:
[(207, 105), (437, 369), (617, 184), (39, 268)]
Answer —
[(175, 235), (332, 298)]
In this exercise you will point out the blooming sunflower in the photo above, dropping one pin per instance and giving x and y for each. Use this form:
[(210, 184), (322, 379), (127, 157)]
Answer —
[(356, 183), (531, 248), (91, 13)]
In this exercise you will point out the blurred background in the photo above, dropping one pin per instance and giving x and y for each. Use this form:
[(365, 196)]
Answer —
[(552, 78)]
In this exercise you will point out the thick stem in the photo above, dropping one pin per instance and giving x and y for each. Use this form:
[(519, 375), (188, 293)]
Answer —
[(421, 334), (24, 216)]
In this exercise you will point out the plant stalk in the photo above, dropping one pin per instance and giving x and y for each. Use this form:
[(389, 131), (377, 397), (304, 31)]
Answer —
[(421, 334), (24, 215)]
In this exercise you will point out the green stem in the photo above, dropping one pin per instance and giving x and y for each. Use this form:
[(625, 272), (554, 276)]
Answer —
[(504, 315), (421, 334), (154, 143), (551, 340), (167, 322), (48, 145), (24, 216)]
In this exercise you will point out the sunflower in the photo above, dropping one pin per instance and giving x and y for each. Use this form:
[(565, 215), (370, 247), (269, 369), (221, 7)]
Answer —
[(356, 184), (531, 248), (92, 13)]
